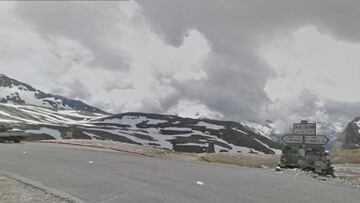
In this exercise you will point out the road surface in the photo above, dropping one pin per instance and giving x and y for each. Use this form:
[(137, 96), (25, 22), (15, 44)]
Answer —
[(99, 176)]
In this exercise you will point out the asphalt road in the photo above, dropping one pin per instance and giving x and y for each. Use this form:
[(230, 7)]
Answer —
[(96, 176)]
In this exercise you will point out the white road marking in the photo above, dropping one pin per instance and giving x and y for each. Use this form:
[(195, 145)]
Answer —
[(199, 183), (24, 152), (90, 162)]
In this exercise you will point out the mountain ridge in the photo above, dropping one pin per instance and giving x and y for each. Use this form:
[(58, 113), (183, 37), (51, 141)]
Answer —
[(155, 130), (16, 92), (350, 137), (33, 110)]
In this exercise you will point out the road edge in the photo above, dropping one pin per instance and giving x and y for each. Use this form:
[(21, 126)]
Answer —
[(37, 185), (94, 146)]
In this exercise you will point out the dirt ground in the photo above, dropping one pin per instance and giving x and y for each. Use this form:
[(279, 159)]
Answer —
[(13, 191), (240, 159)]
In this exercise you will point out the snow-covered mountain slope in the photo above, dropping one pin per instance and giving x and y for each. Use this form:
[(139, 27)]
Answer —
[(259, 128), (28, 114), (184, 134), (15, 92), (331, 130), (164, 131), (350, 138)]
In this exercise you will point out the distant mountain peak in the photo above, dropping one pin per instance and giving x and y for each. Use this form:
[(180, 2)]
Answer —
[(350, 138), (16, 92)]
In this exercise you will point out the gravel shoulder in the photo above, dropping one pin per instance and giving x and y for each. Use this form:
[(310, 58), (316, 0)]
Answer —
[(13, 191)]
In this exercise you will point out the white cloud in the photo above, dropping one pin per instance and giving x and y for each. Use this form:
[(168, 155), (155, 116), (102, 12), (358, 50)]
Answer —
[(62, 55), (244, 61), (314, 61), (193, 109)]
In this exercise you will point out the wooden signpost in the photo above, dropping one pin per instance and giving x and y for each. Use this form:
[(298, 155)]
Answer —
[(305, 133), (305, 149), (304, 128), (316, 140), (293, 139)]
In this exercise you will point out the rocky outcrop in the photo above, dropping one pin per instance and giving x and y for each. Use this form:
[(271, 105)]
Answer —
[(350, 138)]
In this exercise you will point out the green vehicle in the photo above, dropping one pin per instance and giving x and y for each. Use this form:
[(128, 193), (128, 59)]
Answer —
[(7, 133)]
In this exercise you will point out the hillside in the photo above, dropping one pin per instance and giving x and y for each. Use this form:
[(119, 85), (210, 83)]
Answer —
[(350, 138), (15, 92), (163, 131), (47, 116)]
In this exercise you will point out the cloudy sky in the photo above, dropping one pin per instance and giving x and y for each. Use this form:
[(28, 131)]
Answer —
[(226, 59)]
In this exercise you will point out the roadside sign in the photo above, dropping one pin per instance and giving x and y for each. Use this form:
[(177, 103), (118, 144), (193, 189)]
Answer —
[(304, 129), (316, 140), (293, 139), (308, 139)]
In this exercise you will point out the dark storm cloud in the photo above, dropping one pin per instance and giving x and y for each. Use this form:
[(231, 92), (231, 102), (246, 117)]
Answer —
[(115, 86), (235, 30), (309, 106), (342, 111), (87, 23), (78, 90)]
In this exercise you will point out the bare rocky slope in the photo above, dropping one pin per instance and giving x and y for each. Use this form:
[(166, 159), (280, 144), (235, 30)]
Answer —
[(350, 138)]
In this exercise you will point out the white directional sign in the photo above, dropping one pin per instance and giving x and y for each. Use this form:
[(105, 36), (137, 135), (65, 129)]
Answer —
[(305, 139), (304, 128), (293, 139), (316, 140)]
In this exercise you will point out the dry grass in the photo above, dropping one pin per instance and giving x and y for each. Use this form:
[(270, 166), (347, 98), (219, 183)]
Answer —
[(245, 160), (345, 156)]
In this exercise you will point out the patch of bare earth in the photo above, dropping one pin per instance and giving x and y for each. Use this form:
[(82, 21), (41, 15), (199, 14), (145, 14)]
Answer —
[(12, 191), (345, 156), (245, 160)]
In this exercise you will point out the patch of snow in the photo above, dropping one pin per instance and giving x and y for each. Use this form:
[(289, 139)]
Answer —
[(163, 140), (41, 115), (199, 183), (8, 121), (93, 136), (276, 151), (177, 129), (76, 114), (258, 128), (243, 132), (122, 133), (4, 113), (210, 126), (48, 131), (155, 121), (193, 144), (358, 123), (131, 121)]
